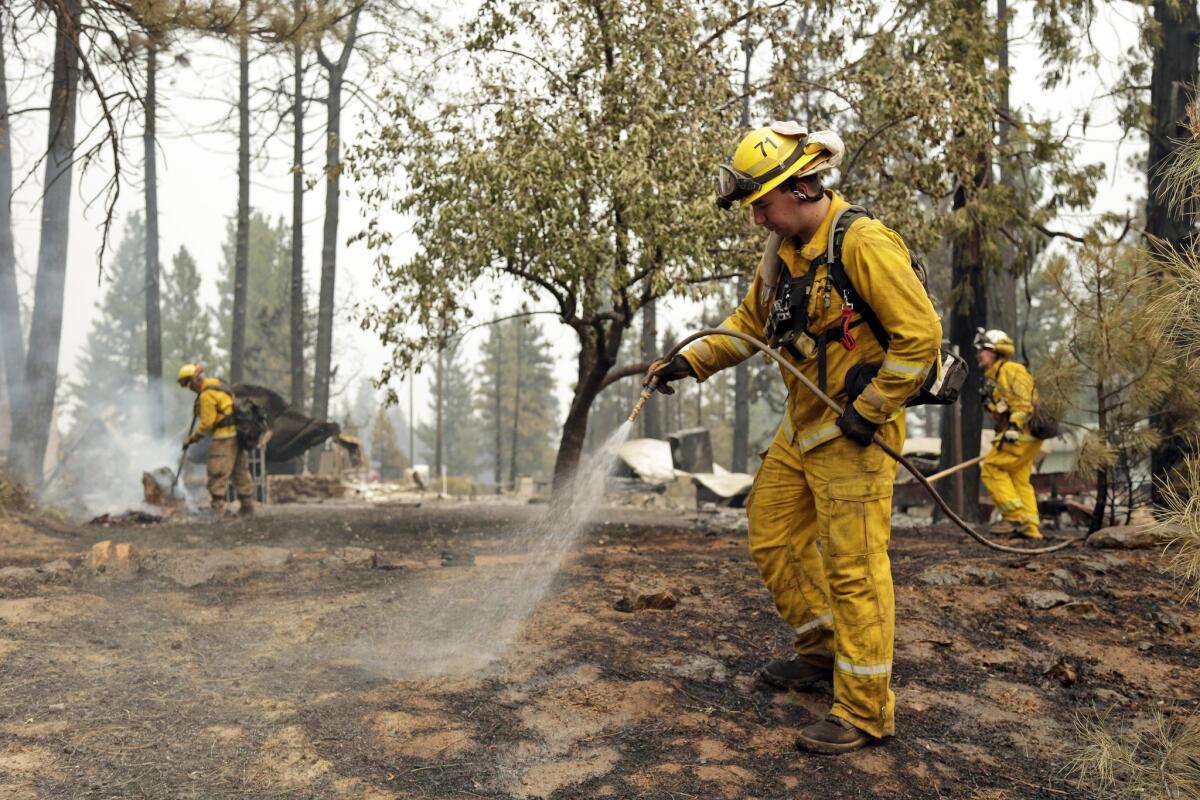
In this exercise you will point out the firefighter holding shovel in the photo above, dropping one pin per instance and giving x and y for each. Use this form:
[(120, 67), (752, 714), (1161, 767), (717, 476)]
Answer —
[(213, 415)]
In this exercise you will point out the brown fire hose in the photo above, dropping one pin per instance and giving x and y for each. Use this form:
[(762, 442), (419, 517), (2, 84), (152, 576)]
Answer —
[(937, 498)]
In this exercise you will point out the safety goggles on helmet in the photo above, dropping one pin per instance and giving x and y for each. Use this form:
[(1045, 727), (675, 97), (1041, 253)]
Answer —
[(734, 185)]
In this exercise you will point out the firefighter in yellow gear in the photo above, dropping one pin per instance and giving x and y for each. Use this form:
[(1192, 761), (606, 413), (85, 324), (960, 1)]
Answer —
[(820, 508), (1011, 395), (213, 411)]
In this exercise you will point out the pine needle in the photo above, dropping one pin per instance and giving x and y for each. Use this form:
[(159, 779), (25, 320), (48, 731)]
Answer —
[(1178, 523), (1159, 761)]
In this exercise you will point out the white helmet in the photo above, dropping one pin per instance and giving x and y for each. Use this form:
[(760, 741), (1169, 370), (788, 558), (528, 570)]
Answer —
[(995, 340)]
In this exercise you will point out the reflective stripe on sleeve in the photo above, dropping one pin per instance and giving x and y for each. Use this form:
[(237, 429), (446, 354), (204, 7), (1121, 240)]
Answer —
[(823, 621), (863, 669), (905, 368)]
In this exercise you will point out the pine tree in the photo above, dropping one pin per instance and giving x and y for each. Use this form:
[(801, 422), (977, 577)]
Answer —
[(386, 455), (187, 324), (515, 403), (114, 359), (267, 342), (461, 432)]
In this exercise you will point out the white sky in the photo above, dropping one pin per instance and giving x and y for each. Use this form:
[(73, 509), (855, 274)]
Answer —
[(198, 188)]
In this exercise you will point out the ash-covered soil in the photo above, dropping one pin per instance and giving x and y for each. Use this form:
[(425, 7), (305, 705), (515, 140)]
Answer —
[(262, 659)]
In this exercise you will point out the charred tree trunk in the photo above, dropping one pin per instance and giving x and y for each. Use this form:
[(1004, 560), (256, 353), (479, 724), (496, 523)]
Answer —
[(296, 321), (12, 348), (968, 311), (1174, 74), (652, 419), (598, 351), (35, 410), (241, 257), (154, 355), (336, 71), (1097, 521)]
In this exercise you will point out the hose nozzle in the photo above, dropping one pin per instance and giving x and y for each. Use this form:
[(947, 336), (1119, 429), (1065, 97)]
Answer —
[(646, 394)]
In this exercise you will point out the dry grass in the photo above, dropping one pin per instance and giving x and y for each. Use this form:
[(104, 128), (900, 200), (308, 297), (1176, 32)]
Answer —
[(1178, 523), (1156, 761)]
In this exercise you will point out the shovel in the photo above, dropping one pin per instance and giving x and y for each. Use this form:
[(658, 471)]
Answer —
[(182, 459)]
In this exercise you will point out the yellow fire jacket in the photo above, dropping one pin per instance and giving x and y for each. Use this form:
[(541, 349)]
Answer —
[(214, 407), (1014, 393), (878, 265)]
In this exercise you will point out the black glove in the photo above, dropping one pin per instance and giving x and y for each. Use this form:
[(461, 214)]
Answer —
[(856, 428), (667, 371)]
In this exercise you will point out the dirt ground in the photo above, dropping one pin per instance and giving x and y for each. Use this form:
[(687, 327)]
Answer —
[(263, 659)]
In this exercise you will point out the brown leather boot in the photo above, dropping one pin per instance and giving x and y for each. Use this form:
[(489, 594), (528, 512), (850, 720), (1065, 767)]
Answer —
[(246, 507), (798, 673), (832, 736)]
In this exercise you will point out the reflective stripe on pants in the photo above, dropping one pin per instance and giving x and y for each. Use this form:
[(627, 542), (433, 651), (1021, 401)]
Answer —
[(819, 525)]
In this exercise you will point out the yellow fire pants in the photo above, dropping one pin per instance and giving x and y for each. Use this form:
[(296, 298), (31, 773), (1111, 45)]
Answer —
[(819, 528), (1005, 473), (226, 460)]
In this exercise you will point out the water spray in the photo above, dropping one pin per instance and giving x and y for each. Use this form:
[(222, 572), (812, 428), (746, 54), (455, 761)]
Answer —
[(827, 400)]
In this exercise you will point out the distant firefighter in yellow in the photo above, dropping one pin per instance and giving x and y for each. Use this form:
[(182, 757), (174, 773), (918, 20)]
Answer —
[(1010, 395), (226, 459)]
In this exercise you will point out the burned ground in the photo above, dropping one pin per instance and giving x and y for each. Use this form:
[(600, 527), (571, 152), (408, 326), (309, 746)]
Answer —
[(264, 659)]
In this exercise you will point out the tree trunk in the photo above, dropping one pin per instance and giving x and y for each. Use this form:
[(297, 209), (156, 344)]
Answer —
[(652, 424), (597, 355), (333, 170), (516, 423), (439, 434), (237, 339), (35, 411), (154, 354), (1175, 72), (12, 348), (1097, 521), (740, 459), (968, 312), (296, 338), (1173, 75), (498, 462), (1002, 292)]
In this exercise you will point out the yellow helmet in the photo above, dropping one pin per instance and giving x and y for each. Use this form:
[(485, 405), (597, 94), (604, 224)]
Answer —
[(187, 372), (995, 340), (766, 157)]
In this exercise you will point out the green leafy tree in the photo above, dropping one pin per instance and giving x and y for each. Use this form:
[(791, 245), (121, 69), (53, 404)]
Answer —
[(386, 455), (586, 182)]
